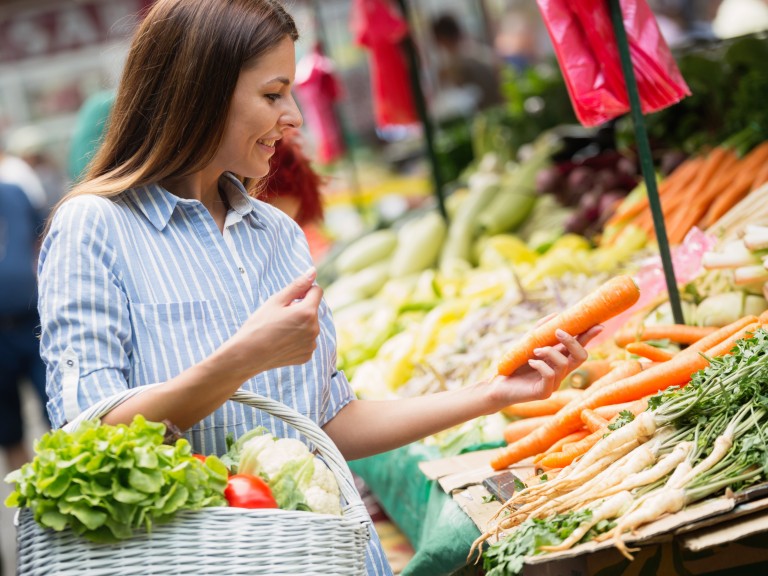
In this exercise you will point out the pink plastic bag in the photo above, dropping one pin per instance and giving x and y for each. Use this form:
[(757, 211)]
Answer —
[(586, 49)]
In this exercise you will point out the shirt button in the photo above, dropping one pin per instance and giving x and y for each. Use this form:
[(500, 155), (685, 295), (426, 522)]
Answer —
[(70, 363), (242, 270)]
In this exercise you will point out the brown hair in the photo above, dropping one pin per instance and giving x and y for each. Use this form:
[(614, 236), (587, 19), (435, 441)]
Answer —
[(171, 106)]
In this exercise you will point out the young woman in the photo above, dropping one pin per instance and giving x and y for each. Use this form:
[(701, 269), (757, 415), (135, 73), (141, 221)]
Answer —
[(159, 268)]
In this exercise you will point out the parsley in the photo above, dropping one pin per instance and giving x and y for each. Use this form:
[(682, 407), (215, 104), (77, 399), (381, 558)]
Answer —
[(506, 557), (519, 485), (625, 417), (488, 498)]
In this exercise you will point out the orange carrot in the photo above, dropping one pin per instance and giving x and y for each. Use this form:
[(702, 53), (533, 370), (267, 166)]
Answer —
[(592, 421), (675, 372), (761, 177), (647, 351), (740, 186), (551, 405), (588, 373), (571, 451), (763, 318), (521, 428), (721, 334), (557, 446), (636, 406), (680, 333), (621, 370), (610, 299)]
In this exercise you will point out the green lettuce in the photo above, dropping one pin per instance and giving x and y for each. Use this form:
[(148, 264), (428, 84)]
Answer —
[(104, 482)]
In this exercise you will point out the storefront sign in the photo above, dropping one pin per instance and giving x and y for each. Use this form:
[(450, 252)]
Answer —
[(66, 26)]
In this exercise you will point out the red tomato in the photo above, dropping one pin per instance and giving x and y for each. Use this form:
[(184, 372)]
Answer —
[(199, 457), (247, 491)]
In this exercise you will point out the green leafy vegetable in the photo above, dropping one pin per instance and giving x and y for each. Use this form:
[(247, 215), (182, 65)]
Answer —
[(104, 481), (625, 417), (507, 556)]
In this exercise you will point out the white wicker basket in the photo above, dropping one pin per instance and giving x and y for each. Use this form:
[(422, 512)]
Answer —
[(215, 540)]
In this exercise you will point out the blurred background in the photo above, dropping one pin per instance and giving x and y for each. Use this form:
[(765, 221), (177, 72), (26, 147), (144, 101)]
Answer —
[(485, 69)]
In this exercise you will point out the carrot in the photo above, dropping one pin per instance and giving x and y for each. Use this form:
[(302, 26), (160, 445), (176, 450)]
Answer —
[(521, 428), (647, 351), (592, 421), (740, 186), (635, 406), (571, 451), (589, 372), (761, 177), (721, 334), (680, 333), (763, 318), (715, 174), (681, 177), (610, 299), (674, 372), (611, 410), (557, 446), (621, 370), (551, 405)]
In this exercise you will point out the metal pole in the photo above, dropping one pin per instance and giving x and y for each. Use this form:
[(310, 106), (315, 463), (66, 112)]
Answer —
[(646, 160), (421, 110)]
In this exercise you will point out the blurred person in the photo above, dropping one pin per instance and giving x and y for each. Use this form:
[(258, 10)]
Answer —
[(516, 39), (464, 63), (28, 143), (161, 243), (20, 224), (88, 132), (13, 170)]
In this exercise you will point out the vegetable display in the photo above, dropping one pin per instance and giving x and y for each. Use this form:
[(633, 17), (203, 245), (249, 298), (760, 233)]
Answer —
[(696, 439), (104, 482)]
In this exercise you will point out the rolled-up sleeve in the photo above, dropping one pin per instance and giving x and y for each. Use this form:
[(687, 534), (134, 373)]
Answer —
[(85, 326)]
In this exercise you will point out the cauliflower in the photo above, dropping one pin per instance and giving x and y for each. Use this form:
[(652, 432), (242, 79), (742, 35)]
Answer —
[(299, 480), (269, 457)]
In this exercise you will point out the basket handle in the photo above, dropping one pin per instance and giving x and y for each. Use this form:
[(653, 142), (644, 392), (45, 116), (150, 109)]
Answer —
[(325, 446)]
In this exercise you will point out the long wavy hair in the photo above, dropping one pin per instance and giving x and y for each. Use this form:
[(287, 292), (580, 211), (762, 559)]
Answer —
[(173, 99)]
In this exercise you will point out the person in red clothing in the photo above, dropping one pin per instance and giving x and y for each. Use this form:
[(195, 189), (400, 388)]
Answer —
[(379, 26)]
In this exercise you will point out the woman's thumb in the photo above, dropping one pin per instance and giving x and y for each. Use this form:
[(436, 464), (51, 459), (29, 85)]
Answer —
[(297, 289)]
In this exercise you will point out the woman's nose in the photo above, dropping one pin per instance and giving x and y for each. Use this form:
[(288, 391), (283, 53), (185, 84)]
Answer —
[(292, 116)]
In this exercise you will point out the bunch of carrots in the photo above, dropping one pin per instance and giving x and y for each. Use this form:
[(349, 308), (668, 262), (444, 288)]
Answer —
[(699, 192), (688, 443), (558, 430)]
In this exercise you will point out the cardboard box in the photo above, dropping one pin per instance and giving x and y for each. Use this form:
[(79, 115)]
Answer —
[(716, 535)]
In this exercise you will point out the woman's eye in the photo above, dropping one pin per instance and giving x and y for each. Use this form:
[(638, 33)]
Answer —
[(273, 97)]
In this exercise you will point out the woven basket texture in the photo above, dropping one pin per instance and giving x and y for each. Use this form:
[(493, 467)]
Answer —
[(212, 541)]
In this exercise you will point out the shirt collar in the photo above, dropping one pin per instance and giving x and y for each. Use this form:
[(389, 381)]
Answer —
[(157, 204)]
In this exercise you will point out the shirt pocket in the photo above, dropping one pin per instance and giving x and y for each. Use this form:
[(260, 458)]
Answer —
[(169, 337)]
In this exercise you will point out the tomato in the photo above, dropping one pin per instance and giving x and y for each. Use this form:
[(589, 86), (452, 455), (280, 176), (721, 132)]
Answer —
[(199, 457), (247, 491)]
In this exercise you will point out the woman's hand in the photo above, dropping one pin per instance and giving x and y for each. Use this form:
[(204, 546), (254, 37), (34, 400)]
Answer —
[(543, 373), (282, 332)]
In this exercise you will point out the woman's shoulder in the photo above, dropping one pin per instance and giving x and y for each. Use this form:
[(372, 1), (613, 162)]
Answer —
[(84, 210)]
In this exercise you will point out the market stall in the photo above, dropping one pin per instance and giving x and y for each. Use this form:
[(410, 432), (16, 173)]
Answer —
[(446, 320)]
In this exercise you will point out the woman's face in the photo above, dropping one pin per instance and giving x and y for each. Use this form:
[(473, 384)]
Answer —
[(262, 107)]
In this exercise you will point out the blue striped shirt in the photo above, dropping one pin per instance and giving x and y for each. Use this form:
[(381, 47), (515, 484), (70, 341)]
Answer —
[(136, 289)]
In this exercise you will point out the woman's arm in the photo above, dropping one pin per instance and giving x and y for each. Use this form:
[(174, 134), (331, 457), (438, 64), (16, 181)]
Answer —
[(363, 428), (282, 332)]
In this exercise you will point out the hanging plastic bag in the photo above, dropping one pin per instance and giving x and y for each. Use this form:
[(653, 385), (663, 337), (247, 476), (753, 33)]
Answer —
[(586, 49)]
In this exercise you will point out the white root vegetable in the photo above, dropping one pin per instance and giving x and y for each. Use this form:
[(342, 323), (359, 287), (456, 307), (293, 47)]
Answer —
[(602, 485), (664, 466), (640, 429), (721, 447), (664, 502), (609, 508)]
